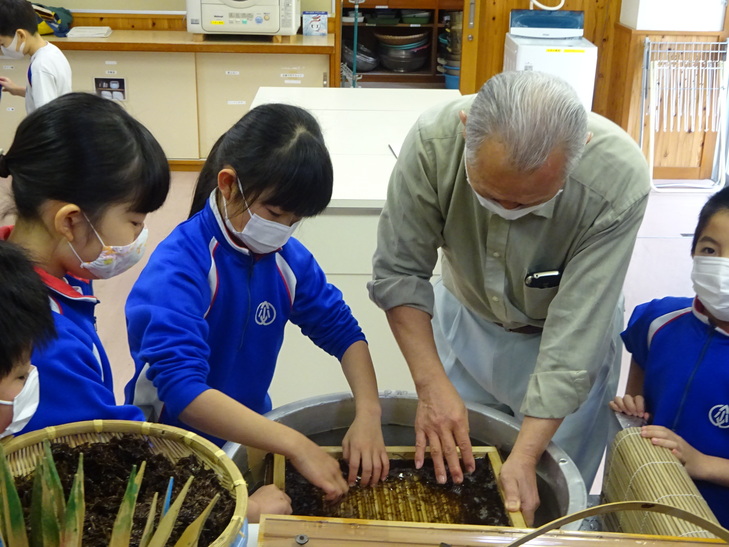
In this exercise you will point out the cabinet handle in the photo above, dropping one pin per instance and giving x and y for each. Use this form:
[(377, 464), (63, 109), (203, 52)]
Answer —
[(471, 13), (325, 79)]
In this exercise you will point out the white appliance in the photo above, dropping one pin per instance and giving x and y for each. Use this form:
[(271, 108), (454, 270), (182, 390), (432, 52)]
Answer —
[(564, 52), (674, 15), (270, 17)]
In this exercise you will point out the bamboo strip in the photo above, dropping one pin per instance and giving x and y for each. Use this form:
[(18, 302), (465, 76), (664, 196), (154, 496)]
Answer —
[(638, 470)]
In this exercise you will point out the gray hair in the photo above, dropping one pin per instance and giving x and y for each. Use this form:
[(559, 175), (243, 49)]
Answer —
[(533, 113)]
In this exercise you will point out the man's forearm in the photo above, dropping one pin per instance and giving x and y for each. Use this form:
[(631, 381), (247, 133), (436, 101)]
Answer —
[(414, 335)]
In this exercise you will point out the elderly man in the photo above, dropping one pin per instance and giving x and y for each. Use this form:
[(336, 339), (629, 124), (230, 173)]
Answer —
[(535, 205)]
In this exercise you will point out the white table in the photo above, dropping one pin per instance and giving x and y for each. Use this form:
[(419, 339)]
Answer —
[(363, 129)]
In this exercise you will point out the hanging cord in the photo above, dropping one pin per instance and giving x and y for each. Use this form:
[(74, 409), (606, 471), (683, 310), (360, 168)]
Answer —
[(537, 3)]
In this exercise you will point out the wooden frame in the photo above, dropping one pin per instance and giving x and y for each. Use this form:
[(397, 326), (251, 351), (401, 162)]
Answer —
[(408, 453)]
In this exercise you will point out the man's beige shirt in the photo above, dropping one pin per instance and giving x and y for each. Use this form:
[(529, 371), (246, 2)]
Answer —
[(587, 232)]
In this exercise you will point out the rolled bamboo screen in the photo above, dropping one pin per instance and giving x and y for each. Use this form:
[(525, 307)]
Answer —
[(638, 470)]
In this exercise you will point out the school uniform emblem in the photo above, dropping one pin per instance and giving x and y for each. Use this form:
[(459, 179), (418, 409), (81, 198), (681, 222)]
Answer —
[(265, 314), (719, 416)]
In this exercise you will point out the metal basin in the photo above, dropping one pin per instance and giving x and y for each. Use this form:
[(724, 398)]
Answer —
[(325, 420)]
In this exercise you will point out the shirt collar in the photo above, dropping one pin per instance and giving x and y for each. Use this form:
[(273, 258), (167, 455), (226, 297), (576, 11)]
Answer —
[(60, 286), (699, 312)]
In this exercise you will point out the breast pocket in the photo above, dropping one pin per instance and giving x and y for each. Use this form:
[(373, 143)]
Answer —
[(537, 301)]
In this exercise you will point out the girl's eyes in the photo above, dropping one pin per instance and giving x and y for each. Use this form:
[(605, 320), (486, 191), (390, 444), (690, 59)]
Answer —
[(707, 251)]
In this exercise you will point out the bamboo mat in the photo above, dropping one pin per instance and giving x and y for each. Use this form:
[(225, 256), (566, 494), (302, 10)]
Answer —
[(638, 470)]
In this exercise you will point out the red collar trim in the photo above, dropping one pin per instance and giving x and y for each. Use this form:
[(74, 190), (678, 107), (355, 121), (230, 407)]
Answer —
[(63, 288), (700, 312)]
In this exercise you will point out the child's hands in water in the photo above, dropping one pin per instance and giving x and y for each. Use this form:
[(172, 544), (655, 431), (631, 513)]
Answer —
[(320, 469), (363, 447)]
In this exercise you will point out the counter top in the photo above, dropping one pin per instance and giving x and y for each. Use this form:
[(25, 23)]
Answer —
[(363, 129), (182, 41)]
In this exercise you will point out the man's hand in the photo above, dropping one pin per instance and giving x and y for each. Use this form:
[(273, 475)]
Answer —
[(519, 481), (441, 422)]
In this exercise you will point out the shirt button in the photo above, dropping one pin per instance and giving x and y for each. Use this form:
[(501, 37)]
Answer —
[(496, 254), (495, 298)]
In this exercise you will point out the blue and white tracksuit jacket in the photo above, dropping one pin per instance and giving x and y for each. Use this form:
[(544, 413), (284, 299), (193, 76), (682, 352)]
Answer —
[(73, 370), (206, 313), (686, 364)]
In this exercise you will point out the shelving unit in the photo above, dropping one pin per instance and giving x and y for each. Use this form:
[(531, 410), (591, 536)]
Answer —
[(429, 74)]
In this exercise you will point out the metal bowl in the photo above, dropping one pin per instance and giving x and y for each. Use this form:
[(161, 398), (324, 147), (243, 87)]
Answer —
[(325, 420)]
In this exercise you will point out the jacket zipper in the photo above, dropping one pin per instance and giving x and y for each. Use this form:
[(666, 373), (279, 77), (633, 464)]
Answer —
[(691, 378)]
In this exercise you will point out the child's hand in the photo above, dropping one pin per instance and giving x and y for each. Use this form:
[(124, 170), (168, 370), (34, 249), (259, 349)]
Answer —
[(363, 446), (269, 500), (687, 454), (630, 405), (8, 85), (320, 469)]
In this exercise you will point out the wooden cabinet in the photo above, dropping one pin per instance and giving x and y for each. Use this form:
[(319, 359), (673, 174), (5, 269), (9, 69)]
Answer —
[(227, 83), (12, 109), (375, 14), (677, 154), (157, 90)]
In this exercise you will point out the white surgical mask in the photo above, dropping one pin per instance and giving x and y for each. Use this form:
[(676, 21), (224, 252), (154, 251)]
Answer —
[(24, 405), (710, 275), (260, 235), (503, 212), (114, 259), (13, 51)]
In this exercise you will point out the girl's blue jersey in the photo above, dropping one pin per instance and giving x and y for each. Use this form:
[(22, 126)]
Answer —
[(206, 313), (686, 364), (74, 374)]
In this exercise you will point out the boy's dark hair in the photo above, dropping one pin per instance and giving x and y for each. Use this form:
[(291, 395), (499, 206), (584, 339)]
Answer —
[(277, 151), (717, 202), (17, 14), (26, 321), (82, 149)]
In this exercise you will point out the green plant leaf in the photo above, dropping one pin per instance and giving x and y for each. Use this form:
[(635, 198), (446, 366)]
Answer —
[(167, 522), (13, 520), (53, 483), (191, 535), (73, 528), (149, 526), (122, 530)]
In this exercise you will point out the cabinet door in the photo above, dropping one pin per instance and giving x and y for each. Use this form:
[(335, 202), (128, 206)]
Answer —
[(228, 82), (12, 109), (156, 88)]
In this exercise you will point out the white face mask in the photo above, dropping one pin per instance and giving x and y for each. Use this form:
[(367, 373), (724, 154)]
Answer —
[(710, 275), (503, 212), (114, 259), (24, 405), (260, 235), (13, 51)]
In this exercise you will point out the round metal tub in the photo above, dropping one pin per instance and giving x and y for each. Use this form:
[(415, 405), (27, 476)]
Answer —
[(325, 420)]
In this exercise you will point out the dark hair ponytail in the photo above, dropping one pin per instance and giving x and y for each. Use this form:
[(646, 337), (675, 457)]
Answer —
[(278, 152), (82, 149)]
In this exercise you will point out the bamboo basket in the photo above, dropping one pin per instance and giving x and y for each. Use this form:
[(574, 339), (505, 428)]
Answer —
[(406, 502), (638, 470), (25, 451)]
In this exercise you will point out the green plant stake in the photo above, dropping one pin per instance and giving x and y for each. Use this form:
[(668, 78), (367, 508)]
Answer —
[(122, 531), (13, 520), (191, 535), (149, 525), (73, 528)]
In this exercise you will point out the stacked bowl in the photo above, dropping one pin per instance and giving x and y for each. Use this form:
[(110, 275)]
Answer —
[(404, 52)]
